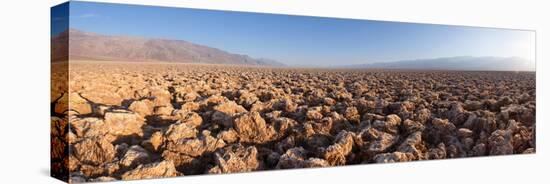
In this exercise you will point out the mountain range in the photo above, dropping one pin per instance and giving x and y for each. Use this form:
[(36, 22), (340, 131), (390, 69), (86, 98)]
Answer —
[(457, 63), (93, 46)]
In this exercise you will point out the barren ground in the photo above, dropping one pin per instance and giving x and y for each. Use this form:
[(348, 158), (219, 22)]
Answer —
[(143, 120)]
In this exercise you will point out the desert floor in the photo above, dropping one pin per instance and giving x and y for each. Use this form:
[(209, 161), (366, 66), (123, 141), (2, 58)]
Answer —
[(146, 120)]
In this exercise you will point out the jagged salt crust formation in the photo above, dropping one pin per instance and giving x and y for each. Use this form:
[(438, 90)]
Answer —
[(135, 121)]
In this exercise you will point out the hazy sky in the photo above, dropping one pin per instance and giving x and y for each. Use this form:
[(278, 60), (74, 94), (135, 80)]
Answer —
[(300, 40)]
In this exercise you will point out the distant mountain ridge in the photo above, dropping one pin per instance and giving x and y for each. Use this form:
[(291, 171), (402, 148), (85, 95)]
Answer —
[(92, 46), (457, 63)]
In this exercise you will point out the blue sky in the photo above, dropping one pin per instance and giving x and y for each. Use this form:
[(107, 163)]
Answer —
[(301, 40)]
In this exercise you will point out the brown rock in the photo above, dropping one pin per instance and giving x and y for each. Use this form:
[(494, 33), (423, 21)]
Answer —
[(163, 110), (94, 151), (500, 143), (134, 156), (413, 146), (283, 126), (191, 118), (252, 128), (314, 115), (329, 101), (179, 131), (88, 127), (229, 136), (76, 103), (442, 124), (411, 126), (123, 123), (393, 157), (504, 101), (142, 107), (473, 105), (391, 125), (154, 142), (184, 163), (103, 179), (102, 97), (315, 162), (464, 132), (519, 113), (196, 146), (161, 97), (236, 158), (439, 152), (293, 158), (223, 113), (423, 116), (190, 107), (479, 150), (152, 170), (336, 153), (352, 115), (379, 141), (246, 98), (296, 158)]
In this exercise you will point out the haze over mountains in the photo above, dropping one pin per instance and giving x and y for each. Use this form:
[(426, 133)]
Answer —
[(457, 63), (92, 46)]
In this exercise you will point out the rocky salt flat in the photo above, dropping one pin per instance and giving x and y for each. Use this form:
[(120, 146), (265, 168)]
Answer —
[(145, 120)]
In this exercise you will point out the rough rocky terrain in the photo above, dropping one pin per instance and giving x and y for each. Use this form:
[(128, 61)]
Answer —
[(138, 120)]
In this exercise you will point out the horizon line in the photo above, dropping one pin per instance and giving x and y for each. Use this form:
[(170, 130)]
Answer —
[(293, 65)]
